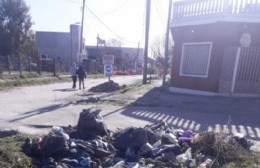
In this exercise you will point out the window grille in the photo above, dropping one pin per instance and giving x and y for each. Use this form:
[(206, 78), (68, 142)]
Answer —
[(195, 59)]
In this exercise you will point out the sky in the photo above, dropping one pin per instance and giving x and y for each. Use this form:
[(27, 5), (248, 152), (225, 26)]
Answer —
[(123, 20)]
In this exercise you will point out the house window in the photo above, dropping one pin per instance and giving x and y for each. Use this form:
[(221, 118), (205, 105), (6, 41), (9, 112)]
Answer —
[(195, 59)]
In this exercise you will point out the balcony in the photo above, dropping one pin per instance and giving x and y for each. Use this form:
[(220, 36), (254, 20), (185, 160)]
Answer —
[(196, 12)]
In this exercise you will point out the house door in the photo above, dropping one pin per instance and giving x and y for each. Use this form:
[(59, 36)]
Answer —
[(240, 73)]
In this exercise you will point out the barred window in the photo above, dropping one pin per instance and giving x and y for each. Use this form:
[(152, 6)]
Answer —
[(195, 59)]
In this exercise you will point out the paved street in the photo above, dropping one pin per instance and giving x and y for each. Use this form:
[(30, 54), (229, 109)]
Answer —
[(35, 109)]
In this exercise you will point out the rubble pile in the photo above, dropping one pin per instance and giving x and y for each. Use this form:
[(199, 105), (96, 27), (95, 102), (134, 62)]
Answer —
[(110, 86), (91, 145)]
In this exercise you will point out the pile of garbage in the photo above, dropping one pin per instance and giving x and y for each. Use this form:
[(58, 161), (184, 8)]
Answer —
[(91, 144), (109, 86)]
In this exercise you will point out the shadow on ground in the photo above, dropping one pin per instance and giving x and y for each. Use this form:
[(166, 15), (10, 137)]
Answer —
[(40, 111), (197, 113), (65, 90), (8, 133)]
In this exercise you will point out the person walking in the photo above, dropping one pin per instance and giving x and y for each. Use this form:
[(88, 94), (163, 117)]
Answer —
[(81, 75), (73, 73)]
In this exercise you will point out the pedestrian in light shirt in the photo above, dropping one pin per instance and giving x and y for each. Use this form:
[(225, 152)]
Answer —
[(73, 73)]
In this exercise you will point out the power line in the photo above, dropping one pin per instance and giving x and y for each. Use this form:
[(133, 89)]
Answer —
[(105, 25), (160, 9), (158, 13), (108, 12), (75, 2), (120, 37), (143, 24), (116, 9)]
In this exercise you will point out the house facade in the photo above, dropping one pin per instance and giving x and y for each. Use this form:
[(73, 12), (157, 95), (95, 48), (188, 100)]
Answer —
[(217, 47), (63, 45)]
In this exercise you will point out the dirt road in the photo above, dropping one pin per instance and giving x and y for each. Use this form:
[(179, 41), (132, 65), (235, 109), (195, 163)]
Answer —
[(35, 109)]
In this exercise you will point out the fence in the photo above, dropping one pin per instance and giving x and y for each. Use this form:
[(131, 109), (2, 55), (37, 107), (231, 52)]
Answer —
[(18, 66), (241, 71), (215, 10)]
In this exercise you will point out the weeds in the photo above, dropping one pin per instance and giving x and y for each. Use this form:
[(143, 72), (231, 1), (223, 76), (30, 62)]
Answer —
[(225, 153), (30, 80), (10, 151)]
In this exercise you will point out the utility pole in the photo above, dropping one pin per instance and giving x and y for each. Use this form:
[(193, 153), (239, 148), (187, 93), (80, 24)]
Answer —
[(147, 26), (137, 55), (82, 23), (167, 43)]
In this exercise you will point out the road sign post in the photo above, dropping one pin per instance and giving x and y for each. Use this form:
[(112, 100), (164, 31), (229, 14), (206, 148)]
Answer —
[(108, 61), (108, 68)]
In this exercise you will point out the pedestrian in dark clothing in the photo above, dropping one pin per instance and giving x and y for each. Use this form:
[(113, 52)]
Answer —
[(81, 75), (73, 73)]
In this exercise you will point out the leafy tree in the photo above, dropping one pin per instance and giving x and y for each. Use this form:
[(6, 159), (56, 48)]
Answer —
[(15, 27)]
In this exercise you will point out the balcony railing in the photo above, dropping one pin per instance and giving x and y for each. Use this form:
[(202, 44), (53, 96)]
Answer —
[(188, 12)]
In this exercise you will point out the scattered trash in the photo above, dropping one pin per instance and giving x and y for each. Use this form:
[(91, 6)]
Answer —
[(240, 140), (186, 158), (206, 164), (89, 100), (91, 145)]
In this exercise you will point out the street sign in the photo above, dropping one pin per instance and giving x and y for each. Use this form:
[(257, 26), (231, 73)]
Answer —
[(108, 59), (108, 68)]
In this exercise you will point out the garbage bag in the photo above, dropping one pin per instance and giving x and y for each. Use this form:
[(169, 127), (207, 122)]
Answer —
[(175, 149), (31, 147), (239, 139), (169, 138), (145, 149), (53, 144), (131, 137), (97, 148), (91, 124)]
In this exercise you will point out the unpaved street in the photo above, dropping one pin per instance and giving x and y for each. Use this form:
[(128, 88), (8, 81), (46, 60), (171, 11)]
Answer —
[(35, 109)]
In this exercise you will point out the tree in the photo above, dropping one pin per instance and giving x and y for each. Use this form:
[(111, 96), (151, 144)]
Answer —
[(157, 50), (15, 27), (114, 43), (114, 48)]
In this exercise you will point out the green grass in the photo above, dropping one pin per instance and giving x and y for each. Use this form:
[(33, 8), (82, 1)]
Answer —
[(243, 164), (28, 80), (11, 154), (14, 80)]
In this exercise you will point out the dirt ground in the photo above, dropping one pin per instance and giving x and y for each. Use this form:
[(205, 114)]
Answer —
[(36, 109)]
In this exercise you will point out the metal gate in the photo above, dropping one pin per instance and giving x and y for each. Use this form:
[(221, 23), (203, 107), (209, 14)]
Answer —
[(240, 73)]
